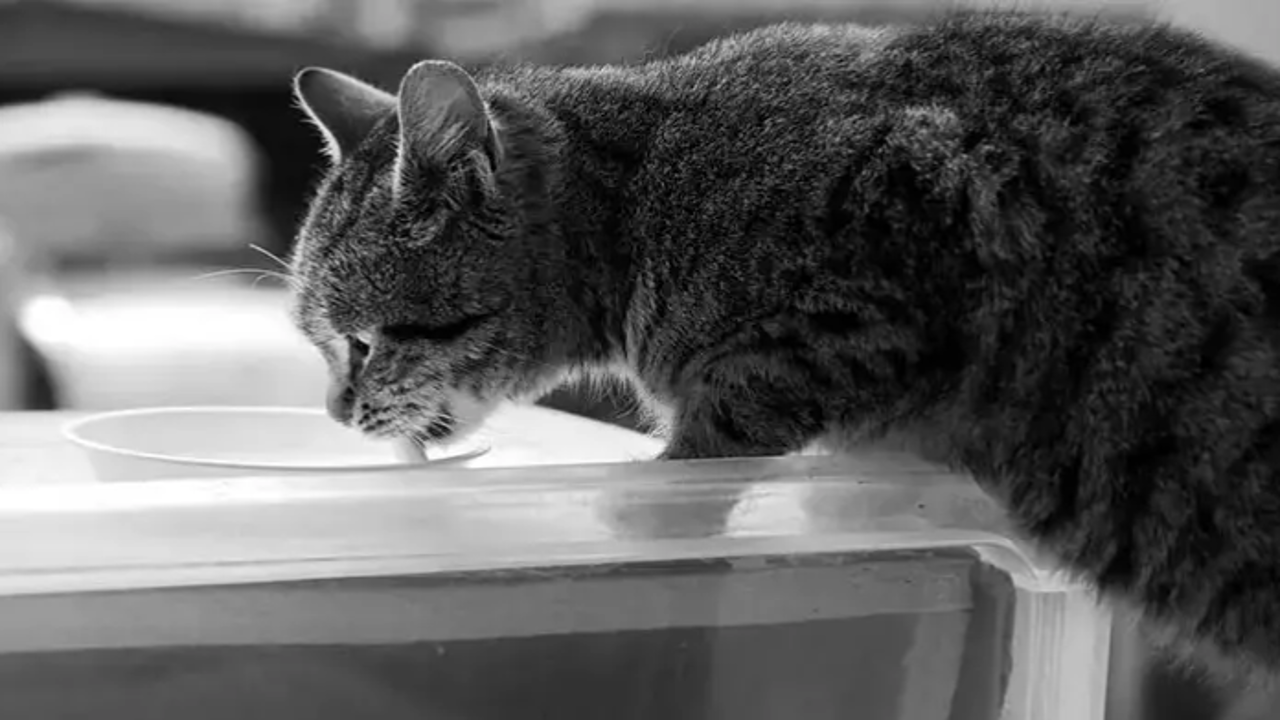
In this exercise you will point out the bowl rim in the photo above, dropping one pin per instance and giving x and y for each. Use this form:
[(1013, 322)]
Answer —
[(72, 431)]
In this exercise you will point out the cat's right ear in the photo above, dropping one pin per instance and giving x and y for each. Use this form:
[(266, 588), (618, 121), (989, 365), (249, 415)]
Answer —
[(343, 108), (442, 116)]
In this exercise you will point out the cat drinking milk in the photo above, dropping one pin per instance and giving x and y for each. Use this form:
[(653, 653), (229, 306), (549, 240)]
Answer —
[(1055, 242)]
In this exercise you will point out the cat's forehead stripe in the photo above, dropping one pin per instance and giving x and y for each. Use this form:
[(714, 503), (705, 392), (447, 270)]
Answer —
[(345, 196)]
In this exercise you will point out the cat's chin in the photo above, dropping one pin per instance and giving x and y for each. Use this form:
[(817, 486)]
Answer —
[(434, 446), (457, 431), (468, 414)]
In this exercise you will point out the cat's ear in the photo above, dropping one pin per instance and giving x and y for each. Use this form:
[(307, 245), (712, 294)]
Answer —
[(344, 108), (441, 117)]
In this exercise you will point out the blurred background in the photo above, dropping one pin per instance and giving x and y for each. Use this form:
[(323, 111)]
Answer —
[(149, 146)]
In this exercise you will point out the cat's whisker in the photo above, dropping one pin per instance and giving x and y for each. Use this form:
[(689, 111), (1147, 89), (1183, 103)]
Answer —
[(270, 256), (261, 274), (232, 271), (276, 276)]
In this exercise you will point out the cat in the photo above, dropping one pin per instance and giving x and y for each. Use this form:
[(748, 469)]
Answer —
[(1054, 242)]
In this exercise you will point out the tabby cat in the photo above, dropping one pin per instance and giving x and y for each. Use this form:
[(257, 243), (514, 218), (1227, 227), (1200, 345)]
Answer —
[(1054, 242)]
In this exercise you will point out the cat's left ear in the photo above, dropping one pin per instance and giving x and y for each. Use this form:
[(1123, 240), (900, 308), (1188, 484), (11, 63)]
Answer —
[(343, 108), (441, 117)]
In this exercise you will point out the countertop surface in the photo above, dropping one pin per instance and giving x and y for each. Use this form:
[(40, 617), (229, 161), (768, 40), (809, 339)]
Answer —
[(33, 451)]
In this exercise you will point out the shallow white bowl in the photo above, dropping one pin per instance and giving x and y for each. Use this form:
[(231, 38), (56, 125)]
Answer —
[(202, 442)]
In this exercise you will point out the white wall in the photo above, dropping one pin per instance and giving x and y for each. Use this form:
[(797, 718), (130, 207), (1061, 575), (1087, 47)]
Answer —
[(1253, 25)]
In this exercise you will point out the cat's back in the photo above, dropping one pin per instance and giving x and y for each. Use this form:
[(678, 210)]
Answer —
[(978, 143), (1093, 103), (960, 57), (771, 58), (1071, 66)]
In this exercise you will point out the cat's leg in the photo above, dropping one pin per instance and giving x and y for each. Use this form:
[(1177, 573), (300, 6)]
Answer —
[(741, 420), (750, 405)]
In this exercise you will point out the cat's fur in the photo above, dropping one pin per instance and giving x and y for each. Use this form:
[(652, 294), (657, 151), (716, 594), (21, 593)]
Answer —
[(1055, 241)]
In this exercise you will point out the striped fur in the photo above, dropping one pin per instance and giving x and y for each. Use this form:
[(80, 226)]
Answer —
[(1054, 242)]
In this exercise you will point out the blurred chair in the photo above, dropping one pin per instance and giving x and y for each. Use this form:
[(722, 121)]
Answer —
[(86, 178), (24, 376), (12, 360), (121, 208)]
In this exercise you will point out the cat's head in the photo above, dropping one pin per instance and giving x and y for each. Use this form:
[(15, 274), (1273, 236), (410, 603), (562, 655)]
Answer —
[(406, 271)]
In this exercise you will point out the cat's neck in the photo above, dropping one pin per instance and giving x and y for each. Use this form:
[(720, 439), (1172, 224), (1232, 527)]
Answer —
[(576, 139)]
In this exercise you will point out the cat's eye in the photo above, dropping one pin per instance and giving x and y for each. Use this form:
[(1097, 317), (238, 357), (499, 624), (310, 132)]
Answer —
[(441, 332)]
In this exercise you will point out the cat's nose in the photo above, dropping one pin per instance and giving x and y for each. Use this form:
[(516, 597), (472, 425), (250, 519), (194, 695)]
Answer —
[(341, 402)]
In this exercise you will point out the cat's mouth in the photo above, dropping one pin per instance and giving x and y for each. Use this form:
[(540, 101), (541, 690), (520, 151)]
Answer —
[(447, 423), (434, 429)]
